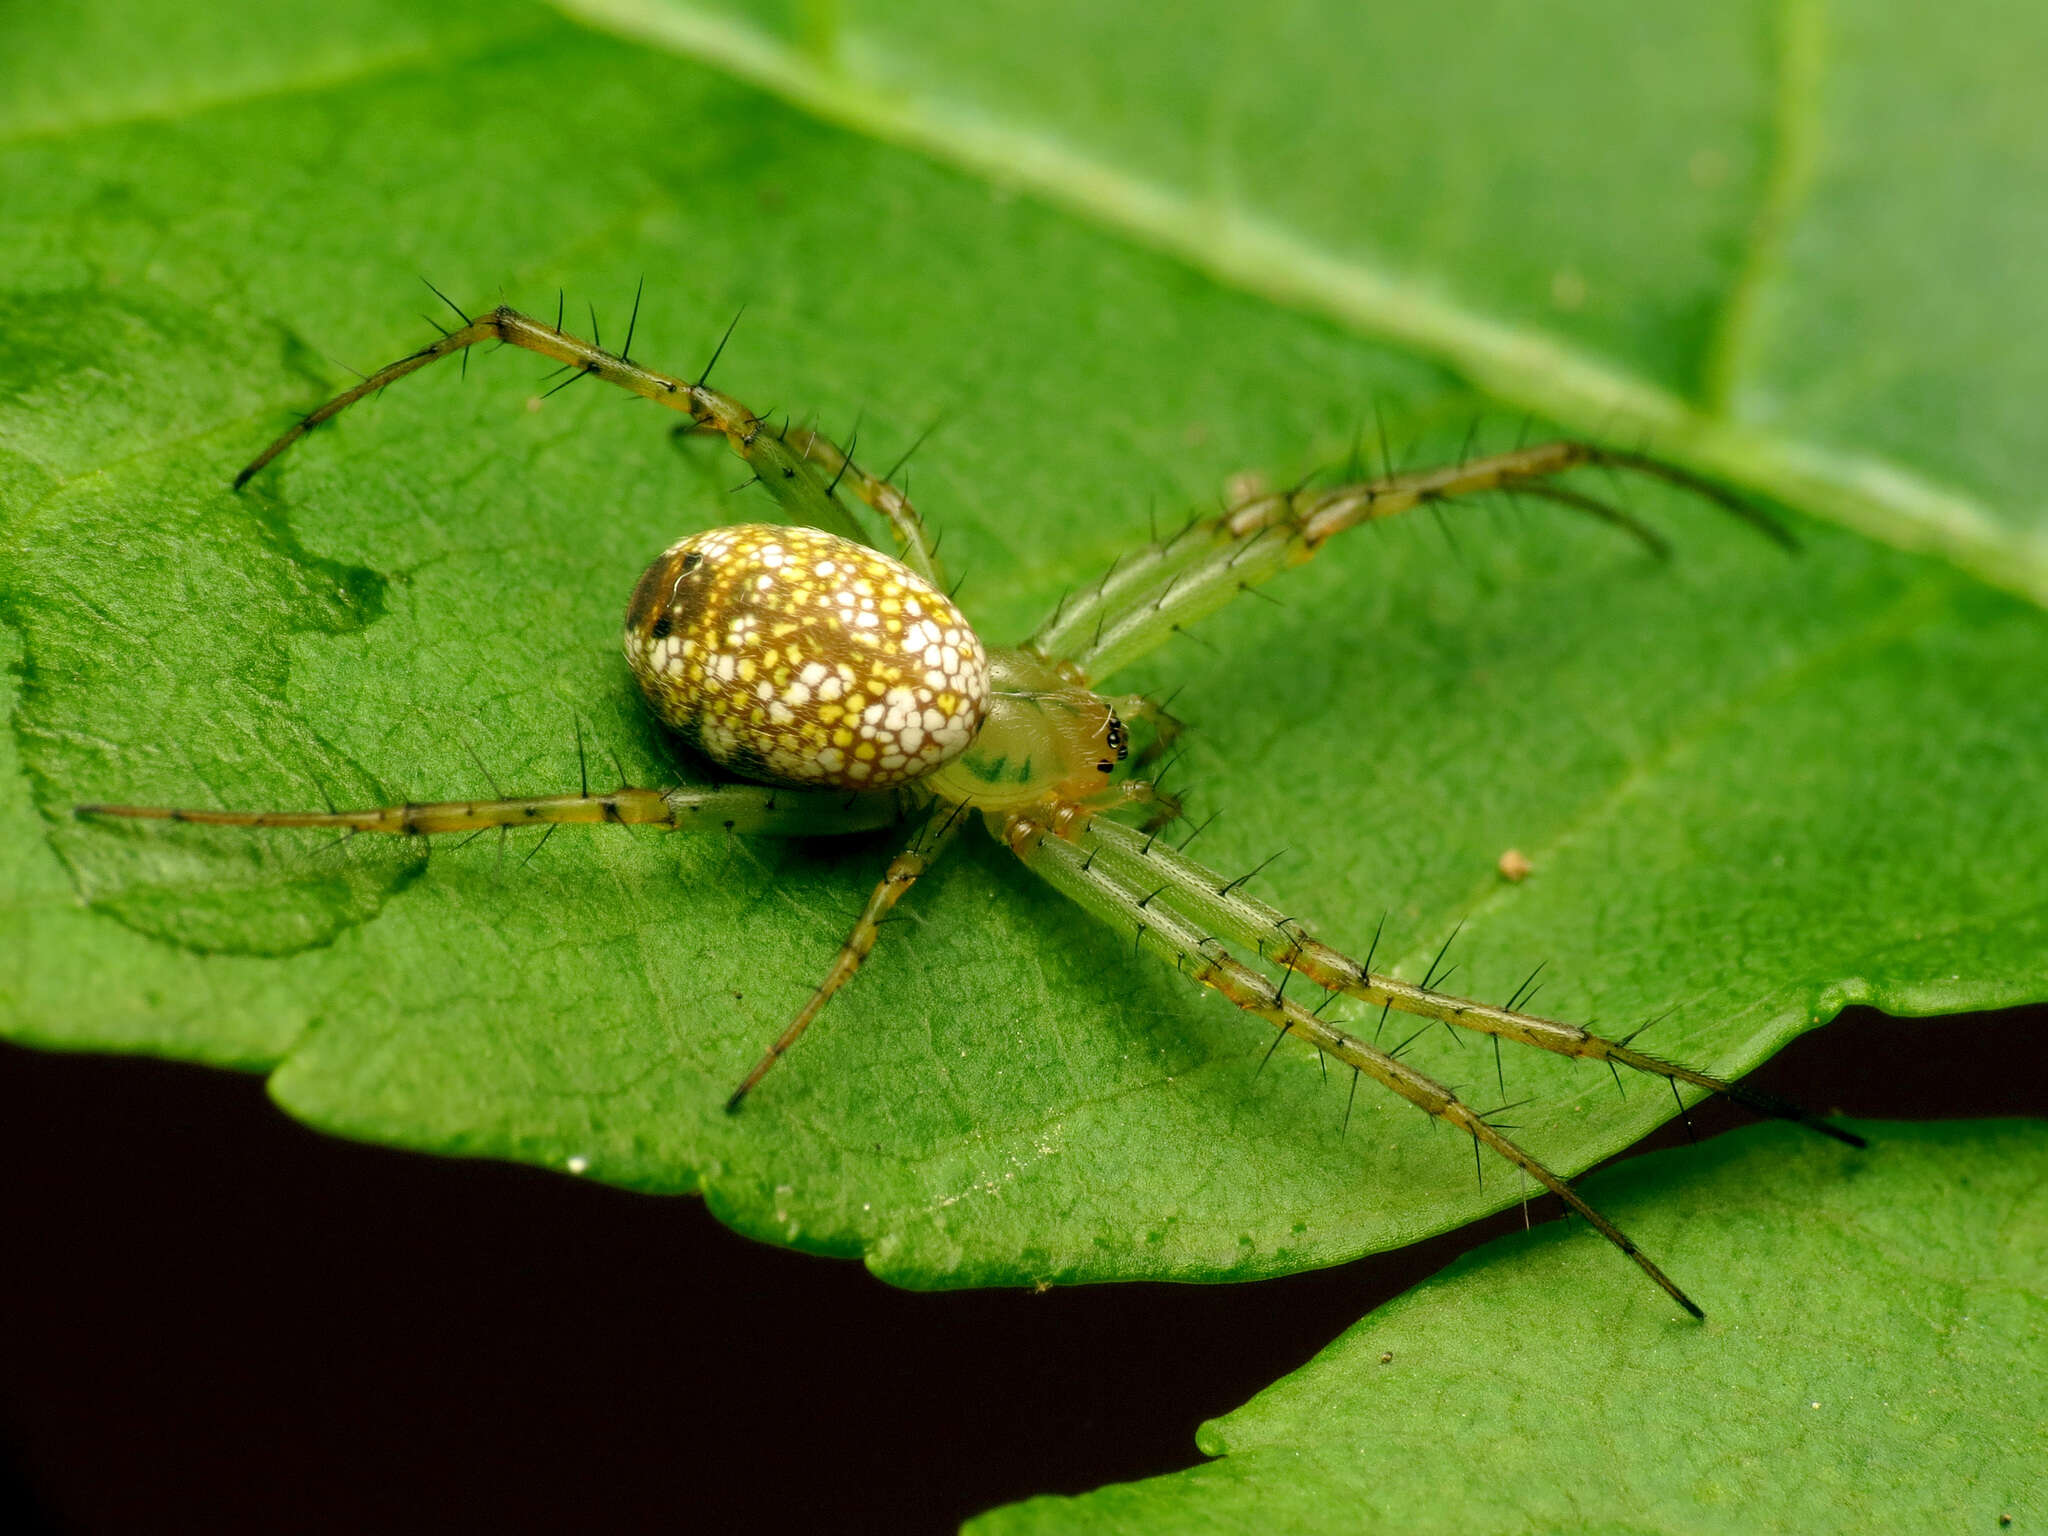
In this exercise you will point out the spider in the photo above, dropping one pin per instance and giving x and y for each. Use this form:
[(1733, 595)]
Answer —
[(844, 691)]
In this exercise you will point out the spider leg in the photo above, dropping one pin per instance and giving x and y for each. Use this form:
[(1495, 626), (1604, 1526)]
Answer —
[(1167, 586), (916, 546), (925, 848), (914, 543), (1207, 898), (1155, 920), (789, 476), (1164, 810), (727, 807)]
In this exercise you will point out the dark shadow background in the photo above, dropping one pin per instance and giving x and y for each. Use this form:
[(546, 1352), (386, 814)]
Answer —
[(218, 1321)]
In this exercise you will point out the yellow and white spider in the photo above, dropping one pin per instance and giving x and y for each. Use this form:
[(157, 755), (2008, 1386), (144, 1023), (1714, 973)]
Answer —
[(845, 691)]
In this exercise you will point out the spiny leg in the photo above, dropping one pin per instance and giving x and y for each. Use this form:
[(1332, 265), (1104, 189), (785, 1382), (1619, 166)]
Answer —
[(1148, 597), (914, 543), (924, 850), (1222, 906), (1154, 920), (729, 807), (793, 480)]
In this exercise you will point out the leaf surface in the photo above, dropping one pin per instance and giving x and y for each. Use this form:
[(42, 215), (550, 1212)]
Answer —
[(1874, 1361), (1753, 787), (1788, 242)]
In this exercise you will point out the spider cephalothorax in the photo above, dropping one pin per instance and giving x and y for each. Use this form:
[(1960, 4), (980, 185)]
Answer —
[(849, 692)]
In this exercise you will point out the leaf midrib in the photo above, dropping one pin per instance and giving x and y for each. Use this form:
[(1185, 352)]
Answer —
[(169, 108), (1876, 497)]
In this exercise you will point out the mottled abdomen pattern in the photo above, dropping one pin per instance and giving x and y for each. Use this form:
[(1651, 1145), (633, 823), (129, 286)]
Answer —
[(799, 657)]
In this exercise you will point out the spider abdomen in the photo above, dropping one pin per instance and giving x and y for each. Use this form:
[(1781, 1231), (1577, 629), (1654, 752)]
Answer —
[(795, 656)]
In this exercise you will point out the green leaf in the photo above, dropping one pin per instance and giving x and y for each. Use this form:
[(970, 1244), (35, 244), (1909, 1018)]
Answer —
[(1735, 228), (1874, 1362), (1753, 787)]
